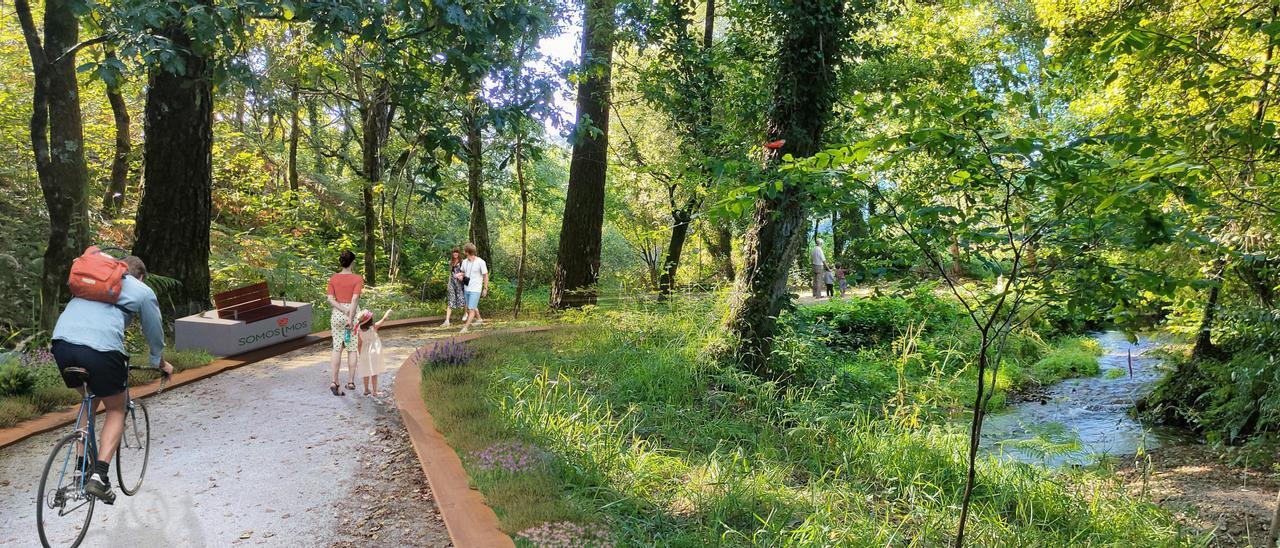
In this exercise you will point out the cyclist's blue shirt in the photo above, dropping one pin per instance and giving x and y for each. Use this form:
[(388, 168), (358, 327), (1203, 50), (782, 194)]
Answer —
[(100, 326)]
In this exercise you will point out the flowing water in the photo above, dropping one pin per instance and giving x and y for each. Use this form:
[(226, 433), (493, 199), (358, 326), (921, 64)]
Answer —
[(1078, 421)]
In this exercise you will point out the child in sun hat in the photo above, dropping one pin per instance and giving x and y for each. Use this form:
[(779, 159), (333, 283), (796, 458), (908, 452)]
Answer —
[(370, 349)]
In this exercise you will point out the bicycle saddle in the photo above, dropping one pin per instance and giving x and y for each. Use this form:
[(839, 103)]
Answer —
[(76, 374)]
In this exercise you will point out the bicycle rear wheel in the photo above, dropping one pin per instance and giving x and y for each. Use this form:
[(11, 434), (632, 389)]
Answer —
[(63, 510), (134, 449)]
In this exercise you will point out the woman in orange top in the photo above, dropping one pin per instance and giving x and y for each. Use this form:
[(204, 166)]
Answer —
[(344, 297)]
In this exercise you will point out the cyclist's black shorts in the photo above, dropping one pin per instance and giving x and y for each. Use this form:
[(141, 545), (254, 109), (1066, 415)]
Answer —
[(108, 371)]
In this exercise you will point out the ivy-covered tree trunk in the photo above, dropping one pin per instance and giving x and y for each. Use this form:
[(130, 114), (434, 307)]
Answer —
[(172, 232), (578, 261), (720, 244), (113, 197), (57, 140), (315, 130), (812, 36), (478, 231)]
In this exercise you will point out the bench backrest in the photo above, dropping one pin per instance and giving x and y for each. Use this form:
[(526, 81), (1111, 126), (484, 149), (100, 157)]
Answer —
[(232, 304)]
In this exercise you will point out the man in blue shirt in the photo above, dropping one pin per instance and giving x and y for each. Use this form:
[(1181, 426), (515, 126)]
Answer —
[(90, 335)]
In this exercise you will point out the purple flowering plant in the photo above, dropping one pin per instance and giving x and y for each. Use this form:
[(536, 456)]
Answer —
[(566, 534), (447, 353), (508, 456)]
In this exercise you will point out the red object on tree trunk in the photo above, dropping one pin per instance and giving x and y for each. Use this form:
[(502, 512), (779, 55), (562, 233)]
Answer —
[(775, 145)]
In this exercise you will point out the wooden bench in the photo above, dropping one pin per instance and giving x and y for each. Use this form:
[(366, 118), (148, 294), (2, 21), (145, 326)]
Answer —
[(248, 304)]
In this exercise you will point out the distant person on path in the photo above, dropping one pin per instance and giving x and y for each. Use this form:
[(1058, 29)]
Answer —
[(370, 350), (829, 279), (818, 260), (344, 297), (842, 279), (90, 335), (454, 291), (475, 274)]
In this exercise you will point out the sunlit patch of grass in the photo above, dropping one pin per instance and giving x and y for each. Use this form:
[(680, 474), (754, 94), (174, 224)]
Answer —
[(1070, 357)]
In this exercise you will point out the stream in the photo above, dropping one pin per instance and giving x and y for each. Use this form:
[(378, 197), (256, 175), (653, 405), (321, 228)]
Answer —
[(1078, 421)]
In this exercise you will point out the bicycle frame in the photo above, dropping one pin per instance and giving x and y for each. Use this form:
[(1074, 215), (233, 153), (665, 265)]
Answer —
[(87, 449)]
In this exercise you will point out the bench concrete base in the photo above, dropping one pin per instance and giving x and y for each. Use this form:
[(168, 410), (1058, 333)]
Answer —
[(222, 337)]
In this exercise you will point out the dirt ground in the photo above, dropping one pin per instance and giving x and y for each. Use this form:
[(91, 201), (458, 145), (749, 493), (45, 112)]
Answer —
[(1206, 495), (390, 503)]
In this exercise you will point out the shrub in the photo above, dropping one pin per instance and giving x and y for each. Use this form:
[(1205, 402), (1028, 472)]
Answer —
[(51, 398), (860, 323), (15, 380), (1230, 400)]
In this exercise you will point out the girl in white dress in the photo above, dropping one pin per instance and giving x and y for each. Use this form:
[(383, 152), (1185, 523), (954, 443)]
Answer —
[(370, 349)]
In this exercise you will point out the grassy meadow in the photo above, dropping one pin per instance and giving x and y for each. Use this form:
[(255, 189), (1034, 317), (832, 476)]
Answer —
[(617, 431)]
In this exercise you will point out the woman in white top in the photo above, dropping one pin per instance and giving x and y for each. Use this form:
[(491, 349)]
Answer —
[(475, 275)]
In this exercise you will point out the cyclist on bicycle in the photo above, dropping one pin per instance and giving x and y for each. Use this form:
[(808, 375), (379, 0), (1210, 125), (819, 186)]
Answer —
[(90, 335)]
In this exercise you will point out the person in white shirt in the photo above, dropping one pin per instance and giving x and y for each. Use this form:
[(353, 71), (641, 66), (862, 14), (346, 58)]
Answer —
[(475, 277), (818, 260)]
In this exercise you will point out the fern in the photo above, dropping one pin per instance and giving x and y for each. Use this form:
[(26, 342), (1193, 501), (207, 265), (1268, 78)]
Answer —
[(162, 285)]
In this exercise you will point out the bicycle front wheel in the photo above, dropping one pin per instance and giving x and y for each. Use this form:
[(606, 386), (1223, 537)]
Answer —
[(134, 449), (63, 509)]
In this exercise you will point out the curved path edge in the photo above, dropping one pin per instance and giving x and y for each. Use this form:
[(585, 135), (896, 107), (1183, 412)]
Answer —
[(58, 419), (469, 520)]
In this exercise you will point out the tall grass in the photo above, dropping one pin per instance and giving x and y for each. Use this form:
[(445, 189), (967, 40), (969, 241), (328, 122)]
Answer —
[(640, 434)]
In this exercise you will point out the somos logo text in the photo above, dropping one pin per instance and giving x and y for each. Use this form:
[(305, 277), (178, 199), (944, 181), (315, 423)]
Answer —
[(282, 330)]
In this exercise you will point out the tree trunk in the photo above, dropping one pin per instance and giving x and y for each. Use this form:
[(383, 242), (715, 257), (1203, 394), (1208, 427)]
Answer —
[(113, 198), (857, 224), (577, 267), (802, 100), (57, 140), (375, 115), (837, 237), (675, 247), (172, 232), (241, 97), (1204, 346), (721, 247), (478, 231), (293, 135), (524, 219), (682, 217)]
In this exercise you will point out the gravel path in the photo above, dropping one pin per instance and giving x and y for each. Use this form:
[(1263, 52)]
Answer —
[(261, 455)]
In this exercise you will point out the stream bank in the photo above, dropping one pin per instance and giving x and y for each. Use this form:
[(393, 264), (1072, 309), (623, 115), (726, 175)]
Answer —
[(1083, 421)]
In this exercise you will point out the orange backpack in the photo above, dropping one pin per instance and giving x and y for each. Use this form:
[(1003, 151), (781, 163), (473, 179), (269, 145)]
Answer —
[(97, 276)]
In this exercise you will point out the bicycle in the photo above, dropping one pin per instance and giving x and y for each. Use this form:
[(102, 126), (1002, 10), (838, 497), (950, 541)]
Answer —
[(79, 451)]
